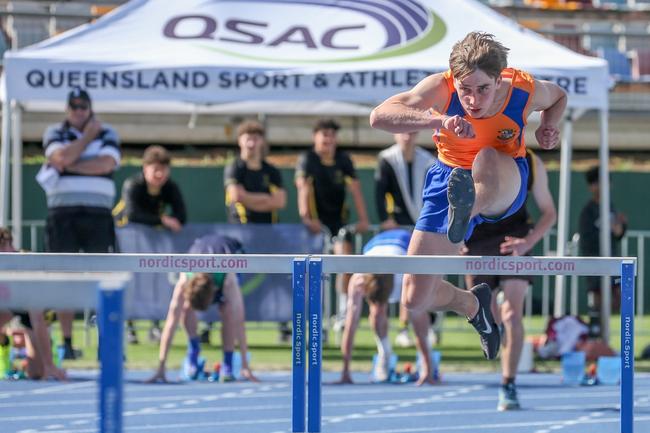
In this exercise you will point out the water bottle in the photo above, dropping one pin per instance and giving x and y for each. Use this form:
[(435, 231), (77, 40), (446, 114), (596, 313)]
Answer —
[(5, 360), (573, 368)]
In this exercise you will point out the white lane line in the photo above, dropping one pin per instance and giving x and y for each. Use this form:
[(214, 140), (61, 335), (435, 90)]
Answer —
[(559, 425), (177, 426), (391, 408), (172, 409), (63, 388), (80, 422)]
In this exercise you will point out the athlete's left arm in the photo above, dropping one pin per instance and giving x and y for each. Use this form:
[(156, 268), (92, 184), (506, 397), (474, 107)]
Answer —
[(359, 204), (551, 100)]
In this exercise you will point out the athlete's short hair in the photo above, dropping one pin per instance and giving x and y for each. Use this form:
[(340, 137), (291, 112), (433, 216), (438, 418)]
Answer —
[(156, 154), (199, 291), (592, 176), (378, 287), (478, 50), (251, 127), (324, 124)]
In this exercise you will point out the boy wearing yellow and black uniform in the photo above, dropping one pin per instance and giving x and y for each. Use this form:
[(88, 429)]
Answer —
[(151, 197), (323, 176), (254, 192)]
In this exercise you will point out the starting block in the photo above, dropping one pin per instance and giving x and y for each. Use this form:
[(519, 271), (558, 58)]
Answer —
[(188, 373), (436, 357), (392, 366)]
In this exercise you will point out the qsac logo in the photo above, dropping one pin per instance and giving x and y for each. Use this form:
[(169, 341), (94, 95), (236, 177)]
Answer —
[(306, 31)]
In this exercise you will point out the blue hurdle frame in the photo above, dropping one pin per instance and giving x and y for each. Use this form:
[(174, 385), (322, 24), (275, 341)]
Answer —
[(628, 273), (307, 352), (298, 346), (314, 268), (315, 345), (111, 354)]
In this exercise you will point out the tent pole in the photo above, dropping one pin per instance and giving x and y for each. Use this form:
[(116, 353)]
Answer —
[(563, 211), (4, 156), (605, 226), (16, 174)]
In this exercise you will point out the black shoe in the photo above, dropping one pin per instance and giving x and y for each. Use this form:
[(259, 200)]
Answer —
[(131, 336), (461, 195), (508, 398), (484, 323), (204, 337), (69, 353)]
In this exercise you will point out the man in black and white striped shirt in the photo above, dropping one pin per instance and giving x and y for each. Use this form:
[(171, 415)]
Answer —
[(85, 153)]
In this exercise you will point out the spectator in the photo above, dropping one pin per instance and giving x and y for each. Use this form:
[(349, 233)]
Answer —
[(513, 236), (33, 329), (323, 174), (589, 245), (151, 198), (399, 180), (82, 154), (197, 292), (254, 191)]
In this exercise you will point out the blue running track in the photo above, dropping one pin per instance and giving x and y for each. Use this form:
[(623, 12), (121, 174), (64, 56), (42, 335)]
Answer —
[(464, 402)]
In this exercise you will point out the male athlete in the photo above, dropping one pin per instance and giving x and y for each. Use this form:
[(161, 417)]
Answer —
[(478, 111)]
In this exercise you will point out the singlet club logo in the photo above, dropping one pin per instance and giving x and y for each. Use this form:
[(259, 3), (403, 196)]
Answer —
[(309, 31), (506, 134)]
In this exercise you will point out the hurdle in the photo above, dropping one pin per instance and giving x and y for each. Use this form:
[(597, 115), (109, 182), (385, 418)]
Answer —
[(309, 270), (104, 291)]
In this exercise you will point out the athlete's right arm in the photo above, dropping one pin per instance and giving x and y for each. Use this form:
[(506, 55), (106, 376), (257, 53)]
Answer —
[(415, 109), (173, 317)]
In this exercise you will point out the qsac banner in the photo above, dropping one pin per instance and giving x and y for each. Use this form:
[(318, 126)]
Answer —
[(215, 51)]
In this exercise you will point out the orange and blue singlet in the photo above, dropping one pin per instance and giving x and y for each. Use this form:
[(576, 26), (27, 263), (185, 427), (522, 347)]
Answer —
[(504, 131)]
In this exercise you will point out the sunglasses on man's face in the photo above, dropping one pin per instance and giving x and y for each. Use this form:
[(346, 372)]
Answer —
[(83, 107)]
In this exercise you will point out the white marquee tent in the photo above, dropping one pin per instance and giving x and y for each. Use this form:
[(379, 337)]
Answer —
[(209, 52)]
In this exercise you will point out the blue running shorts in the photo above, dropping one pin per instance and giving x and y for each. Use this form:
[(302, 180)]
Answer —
[(434, 214)]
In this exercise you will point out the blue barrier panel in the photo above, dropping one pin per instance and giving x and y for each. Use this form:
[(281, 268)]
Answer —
[(298, 355), (315, 348), (267, 297), (627, 347), (111, 353)]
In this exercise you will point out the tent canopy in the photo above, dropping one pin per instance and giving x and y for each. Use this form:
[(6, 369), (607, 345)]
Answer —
[(216, 51)]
